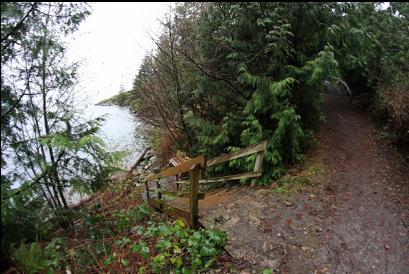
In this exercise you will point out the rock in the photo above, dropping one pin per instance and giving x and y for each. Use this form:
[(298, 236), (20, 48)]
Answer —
[(220, 220)]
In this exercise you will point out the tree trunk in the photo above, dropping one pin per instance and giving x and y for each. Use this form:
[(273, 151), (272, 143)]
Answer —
[(45, 115)]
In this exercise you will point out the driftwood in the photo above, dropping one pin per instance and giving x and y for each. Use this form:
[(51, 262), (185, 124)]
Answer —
[(80, 202), (138, 161)]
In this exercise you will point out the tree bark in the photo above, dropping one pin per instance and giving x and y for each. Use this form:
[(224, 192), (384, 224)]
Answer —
[(45, 115)]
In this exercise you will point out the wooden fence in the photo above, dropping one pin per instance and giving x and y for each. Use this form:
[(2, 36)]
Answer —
[(196, 168)]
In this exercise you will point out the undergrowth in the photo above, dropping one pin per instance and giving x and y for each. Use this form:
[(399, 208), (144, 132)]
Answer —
[(116, 237)]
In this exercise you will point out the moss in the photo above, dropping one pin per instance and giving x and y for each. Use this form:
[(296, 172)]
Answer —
[(312, 172)]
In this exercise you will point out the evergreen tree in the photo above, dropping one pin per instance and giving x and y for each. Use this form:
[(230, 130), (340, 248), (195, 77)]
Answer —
[(248, 72), (49, 148)]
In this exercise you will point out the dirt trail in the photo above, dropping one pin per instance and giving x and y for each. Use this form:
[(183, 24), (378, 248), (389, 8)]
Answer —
[(352, 217), (367, 217)]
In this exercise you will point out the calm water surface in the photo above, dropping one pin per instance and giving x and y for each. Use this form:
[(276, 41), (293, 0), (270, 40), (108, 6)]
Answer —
[(121, 131)]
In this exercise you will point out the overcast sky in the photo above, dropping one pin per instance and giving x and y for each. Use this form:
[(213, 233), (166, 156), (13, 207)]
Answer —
[(111, 43)]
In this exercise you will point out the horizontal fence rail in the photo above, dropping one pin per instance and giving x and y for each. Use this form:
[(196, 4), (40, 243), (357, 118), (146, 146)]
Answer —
[(182, 168), (196, 168)]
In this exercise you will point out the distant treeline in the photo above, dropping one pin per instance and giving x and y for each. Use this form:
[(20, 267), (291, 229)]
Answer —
[(122, 99)]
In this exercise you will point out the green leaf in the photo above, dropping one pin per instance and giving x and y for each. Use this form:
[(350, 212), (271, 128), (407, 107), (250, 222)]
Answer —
[(141, 248), (176, 261), (125, 262), (209, 263), (138, 229), (267, 271)]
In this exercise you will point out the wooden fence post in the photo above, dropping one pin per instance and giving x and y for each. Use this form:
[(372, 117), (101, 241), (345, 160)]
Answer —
[(194, 177), (258, 166), (147, 190), (160, 199)]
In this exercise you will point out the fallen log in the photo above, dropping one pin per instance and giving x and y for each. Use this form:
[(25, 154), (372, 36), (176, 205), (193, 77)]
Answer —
[(137, 162), (80, 202)]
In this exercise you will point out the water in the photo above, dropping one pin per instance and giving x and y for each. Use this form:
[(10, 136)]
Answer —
[(122, 131)]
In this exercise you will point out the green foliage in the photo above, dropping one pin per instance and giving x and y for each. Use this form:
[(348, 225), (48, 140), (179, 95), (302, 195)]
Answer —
[(267, 271), (255, 71), (110, 259), (126, 218), (224, 76), (125, 262), (123, 242), (142, 212), (370, 46), (250, 72), (294, 180), (51, 149), (139, 230), (159, 246), (23, 218), (281, 90), (173, 241), (32, 258), (393, 106), (94, 225), (90, 164), (124, 98), (288, 184), (280, 190), (142, 249)]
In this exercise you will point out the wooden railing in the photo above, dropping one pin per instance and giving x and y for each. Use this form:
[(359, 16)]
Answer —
[(257, 170), (196, 168)]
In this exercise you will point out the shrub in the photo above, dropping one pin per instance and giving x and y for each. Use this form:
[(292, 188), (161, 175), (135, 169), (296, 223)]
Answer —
[(126, 218), (178, 247), (394, 101), (32, 258)]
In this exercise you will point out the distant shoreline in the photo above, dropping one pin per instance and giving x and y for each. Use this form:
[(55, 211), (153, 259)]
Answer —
[(122, 99)]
